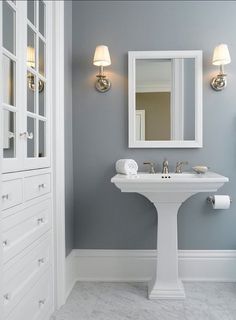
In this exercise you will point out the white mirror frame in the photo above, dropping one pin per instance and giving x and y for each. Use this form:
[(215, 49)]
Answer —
[(133, 56)]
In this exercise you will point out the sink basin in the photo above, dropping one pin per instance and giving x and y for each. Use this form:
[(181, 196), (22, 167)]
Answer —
[(167, 193)]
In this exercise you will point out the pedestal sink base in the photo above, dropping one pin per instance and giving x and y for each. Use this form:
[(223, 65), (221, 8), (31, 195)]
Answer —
[(167, 193), (161, 292)]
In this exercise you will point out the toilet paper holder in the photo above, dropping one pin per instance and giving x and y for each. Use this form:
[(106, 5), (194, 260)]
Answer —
[(211, 199)]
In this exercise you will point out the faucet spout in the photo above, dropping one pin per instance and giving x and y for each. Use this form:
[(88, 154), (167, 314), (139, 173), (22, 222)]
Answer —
[(165, 167)]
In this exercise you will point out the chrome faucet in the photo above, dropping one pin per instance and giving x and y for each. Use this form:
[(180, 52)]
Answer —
[(179, 166), (151, 166), (165, 167)]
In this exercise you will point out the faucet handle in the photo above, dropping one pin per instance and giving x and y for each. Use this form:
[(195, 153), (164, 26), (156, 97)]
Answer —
[(151, 164), (179, 166)]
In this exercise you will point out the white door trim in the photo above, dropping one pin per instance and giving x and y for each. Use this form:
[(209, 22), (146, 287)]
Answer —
[(58, 154)]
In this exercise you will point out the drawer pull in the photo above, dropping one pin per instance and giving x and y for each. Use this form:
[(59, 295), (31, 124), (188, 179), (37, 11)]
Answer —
[(5, 243), (42, 303), (41, 261), (42, 185), (7, 297), (5, 197), (40, 221)]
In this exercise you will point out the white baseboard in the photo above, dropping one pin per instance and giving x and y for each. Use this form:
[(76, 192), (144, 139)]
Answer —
[(139, 265)]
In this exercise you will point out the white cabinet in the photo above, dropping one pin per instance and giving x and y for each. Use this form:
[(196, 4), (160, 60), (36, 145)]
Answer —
[(26, 233), (26, 91)]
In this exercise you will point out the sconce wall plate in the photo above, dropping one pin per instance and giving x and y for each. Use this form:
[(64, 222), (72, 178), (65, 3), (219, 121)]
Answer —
[(219, 82), (102, 84)]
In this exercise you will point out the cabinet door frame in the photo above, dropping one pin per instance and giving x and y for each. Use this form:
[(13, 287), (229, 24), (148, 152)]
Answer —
[(21, 161), (37, 162), (15, 163)]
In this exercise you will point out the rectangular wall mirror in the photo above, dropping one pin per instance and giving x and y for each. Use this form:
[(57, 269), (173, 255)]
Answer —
[(165, 99)]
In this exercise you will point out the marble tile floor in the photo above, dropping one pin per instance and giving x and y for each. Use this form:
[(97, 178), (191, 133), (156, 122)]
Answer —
[(128, 301)]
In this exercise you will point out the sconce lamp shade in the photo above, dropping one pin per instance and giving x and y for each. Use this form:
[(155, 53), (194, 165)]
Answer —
[(221, 55), (101, 56), (31, 57)]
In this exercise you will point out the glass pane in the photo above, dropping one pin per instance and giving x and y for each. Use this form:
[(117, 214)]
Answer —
[(30, 92), (42, 149), (8, 25), (41, 17), (9, 134), (31, 11), (9, 81), (31, 147), (41, 58), (41, 98), (30, 48)]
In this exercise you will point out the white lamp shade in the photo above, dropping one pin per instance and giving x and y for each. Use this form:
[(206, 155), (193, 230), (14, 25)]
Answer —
[(101, 56), (221, 55), (31, 57)]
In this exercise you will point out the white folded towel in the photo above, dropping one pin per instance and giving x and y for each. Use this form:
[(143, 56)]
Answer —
[(126, 166)]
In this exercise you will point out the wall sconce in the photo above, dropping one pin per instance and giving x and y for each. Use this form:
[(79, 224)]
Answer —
[(102, 59), (221, 57), (31, 64)]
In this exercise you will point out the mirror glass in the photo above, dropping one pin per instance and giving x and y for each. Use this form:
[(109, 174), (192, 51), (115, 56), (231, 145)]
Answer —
[(41, 137), (9, 81), (158, 105), (31, 11), (164, 97), (31, 141), (8, 27), (41, 17), (9, 147)]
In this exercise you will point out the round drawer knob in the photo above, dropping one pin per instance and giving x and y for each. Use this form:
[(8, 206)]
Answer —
[(5, 243), (42, 303), (5, 197), (41, 261)]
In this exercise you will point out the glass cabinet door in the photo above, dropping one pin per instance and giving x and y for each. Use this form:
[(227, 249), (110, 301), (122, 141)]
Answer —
[(25, 98), (37, 149), (9, 99)]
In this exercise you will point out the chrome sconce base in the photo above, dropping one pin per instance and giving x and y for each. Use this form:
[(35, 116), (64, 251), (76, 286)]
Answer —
[(102, 84), (31, 84), (219, 82)]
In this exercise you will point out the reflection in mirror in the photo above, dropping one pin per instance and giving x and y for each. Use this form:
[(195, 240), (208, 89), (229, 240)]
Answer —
[(41, 17), (164, 91), (31, 11), (8, 134), (30, 92), (41, 97), (31, 48), (42, 152), (41, 57), (8, 27), (9, 81), (31, 145)]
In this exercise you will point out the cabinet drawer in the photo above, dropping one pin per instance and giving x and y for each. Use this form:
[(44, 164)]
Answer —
[(21, 229), (36, 186), (21, 274), (37, 302), (11, 193)]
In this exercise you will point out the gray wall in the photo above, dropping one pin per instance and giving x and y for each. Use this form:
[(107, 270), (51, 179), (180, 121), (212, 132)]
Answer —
[(69, 199), (105, 217)]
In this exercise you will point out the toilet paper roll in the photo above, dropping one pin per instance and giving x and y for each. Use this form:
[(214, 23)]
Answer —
[(221, 202)]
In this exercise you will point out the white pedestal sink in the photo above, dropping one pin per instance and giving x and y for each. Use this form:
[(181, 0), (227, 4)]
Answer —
[(167, 193)]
